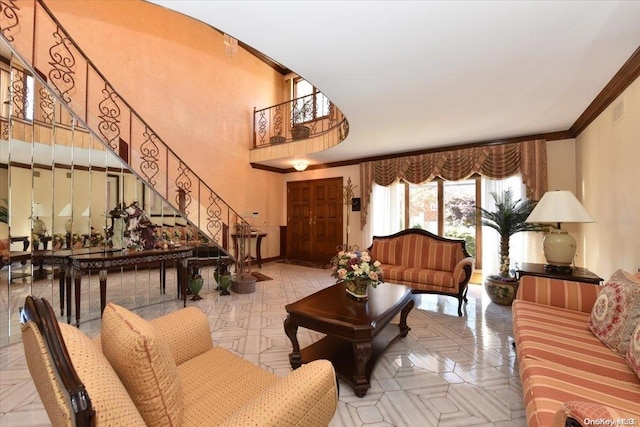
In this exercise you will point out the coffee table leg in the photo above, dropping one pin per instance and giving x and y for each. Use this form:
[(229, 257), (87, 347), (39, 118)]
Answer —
[(291, 329), (361, 353), (404, 329)]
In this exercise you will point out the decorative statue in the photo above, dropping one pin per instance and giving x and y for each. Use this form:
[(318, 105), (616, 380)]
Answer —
[(148, 232), (118, 215)]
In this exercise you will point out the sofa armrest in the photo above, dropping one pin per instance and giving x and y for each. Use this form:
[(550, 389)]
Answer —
[(582, 413), (307, 396), (186, 331), (459, 272), (567, 294)]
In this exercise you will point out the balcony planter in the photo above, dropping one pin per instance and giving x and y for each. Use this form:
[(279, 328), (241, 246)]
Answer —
[(300, 132), (277, 139)]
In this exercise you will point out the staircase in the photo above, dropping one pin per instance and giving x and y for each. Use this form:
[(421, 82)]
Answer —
[(65, 75)]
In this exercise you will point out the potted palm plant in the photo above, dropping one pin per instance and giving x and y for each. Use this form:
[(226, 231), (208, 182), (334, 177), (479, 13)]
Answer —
[(508, 218)]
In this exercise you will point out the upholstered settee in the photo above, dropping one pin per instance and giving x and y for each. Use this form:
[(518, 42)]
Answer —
[(425, 262), (571, 375), (163, 372)]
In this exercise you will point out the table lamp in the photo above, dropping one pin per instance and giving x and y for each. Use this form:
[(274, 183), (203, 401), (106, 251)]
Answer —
[(68, 212), (558, 245)]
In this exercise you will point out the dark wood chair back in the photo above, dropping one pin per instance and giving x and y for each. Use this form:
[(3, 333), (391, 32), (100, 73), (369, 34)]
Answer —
[(40, 312)]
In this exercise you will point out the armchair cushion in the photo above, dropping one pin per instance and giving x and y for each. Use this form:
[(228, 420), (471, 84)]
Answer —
[(306, 397), (109, 398), (616, 311), (185, 343), (234, 378), (143, 361)]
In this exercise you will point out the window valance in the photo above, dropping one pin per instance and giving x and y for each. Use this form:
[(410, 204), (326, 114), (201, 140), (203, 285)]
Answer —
[(493, 161)]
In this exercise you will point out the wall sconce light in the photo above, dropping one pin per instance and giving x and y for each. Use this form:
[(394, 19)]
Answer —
[(68, 212), (558, 245), (300, 166)]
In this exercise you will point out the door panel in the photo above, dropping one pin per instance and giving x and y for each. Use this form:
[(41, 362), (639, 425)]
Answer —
[(314, 219)]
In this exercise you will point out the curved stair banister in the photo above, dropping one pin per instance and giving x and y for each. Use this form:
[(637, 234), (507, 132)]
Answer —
[(61, 66), (283, 122)]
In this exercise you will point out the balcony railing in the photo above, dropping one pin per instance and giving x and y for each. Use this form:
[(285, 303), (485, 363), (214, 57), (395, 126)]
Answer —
[(301, 118), (53, 58)]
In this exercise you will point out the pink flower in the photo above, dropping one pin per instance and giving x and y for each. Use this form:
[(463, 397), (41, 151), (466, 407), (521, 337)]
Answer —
[(342, 273), (373, 276)]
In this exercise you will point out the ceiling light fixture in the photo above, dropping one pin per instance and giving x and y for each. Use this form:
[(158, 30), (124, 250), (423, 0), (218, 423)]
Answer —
[(300, 166)]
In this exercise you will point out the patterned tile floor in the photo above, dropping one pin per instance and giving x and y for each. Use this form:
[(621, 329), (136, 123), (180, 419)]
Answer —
[(449, 371)]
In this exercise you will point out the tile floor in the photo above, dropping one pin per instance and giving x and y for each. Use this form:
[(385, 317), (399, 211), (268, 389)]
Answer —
[(449, 371)]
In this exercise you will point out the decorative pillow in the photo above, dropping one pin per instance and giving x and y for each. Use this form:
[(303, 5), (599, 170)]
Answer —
[(616, 312), (633, 352), (108, 396), (143, 361)]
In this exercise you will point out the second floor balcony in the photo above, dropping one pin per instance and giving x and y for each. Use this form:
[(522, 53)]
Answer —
[(311, 119)]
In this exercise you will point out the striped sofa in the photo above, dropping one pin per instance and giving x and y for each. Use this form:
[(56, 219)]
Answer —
[(425, 262), (569, 377)]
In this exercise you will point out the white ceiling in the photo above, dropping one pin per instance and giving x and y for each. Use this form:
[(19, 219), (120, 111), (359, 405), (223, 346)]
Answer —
[(414, 75)]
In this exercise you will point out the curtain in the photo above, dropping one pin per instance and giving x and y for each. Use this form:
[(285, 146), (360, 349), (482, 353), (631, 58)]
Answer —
[(529, 158), (388, 219)]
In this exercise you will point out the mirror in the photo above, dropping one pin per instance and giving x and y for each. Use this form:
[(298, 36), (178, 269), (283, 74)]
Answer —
[(58, 185)]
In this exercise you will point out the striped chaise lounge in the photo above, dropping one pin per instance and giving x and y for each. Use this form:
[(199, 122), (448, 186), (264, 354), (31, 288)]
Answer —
[(569, 377), (425, 262)]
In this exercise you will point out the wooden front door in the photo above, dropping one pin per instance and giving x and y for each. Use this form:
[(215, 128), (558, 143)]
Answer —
[(314, 219)]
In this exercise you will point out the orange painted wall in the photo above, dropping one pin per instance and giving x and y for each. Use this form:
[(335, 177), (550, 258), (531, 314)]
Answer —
[(174, 71)]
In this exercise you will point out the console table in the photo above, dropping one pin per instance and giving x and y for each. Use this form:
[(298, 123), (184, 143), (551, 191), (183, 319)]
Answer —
[(62, 258), (258, 235), (578, 274), (76, 262)]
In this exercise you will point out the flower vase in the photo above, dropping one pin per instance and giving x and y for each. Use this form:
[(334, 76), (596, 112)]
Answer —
[(195, 285), (358, 288), (224, 280)]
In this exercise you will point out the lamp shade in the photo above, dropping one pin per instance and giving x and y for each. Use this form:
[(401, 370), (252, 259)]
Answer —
[(38, 210), (66, 211), (558, 245), (558, 207)]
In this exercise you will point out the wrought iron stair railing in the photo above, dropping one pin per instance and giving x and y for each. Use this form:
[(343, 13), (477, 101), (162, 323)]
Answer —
[(36, 37)]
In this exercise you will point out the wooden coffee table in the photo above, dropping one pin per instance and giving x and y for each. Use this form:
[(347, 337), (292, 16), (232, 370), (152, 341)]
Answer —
[(357, 332)]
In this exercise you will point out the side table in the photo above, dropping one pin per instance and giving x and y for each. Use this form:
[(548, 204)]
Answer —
[(577, 275)]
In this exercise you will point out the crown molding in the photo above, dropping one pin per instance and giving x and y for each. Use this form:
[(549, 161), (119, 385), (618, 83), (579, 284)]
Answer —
[(620, 81)]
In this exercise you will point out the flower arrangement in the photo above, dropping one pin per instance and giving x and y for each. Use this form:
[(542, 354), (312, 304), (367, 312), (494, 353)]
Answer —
[(77, 241), (57, 241), (95, 238), (356, 265)]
